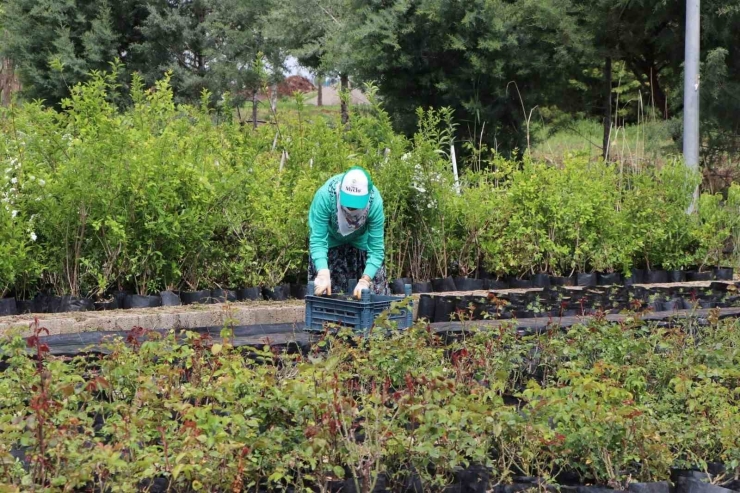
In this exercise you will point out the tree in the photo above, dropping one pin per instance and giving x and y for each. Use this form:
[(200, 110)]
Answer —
[(491, 61), (316, 33), (239, 51), (55, 44), (174, 39)]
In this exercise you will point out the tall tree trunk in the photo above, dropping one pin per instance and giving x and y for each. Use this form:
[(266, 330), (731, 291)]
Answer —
[(254, 108), (607, 106), (320, 87), (273, 96), (660, 100), (648, 74), (344, 89)]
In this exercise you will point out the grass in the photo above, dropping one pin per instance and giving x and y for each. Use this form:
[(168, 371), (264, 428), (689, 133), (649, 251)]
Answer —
[(636, 145), (291, 107)]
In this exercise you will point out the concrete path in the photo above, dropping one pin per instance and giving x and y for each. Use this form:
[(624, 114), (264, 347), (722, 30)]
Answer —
[(284, 335), (330, 97), (179, 317)]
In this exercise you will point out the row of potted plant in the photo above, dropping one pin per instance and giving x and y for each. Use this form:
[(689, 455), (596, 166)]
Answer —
[(618, 406), (49, 303), (555, 303), (80, 214), (636, 276)]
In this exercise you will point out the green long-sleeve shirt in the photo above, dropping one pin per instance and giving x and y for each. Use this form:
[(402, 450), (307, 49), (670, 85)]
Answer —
[(324, 229)]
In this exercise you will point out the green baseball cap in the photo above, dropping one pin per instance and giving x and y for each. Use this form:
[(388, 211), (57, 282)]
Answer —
[(355, 188)]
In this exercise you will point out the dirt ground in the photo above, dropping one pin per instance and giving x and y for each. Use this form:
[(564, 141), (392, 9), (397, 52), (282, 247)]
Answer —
[(331, 98)]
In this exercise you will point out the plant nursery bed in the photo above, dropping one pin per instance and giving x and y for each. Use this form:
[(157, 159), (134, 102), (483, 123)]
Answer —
[(559, 302), (599, 407)]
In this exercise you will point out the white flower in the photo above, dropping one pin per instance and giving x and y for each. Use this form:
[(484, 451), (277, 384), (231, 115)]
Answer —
[(33, 236), (14, 180), (32, 178), (13, 213), (42, 182)]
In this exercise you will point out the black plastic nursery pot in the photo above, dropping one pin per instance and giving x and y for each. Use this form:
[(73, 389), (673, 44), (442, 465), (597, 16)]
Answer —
[(468, 284), (249, 294), (673, 305), (637, 277), (422, 287), (676, 276), (170, 298), (277, 293), (718, 287), (201, 297), (515, 283), (220, 295), (397, 286), (42, 303), (498, 284), (442, 285), (444, 307), (541, 281), (609, 279), (562, 281), (687, 481), (723, 273), (120, 298), (142, 301), (24, 306), (287, 290), (298, 291), (657, 277), (101, 306), (74, 304), (656, 487), (426, 308), (8, 306), (587, 280), (694, 276)]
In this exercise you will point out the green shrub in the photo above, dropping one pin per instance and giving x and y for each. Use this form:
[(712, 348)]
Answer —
[(163, 196), (612, 403)]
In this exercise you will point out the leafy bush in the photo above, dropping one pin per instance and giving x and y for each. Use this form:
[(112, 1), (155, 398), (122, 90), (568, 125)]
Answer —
[(611, 403), (164, 196)]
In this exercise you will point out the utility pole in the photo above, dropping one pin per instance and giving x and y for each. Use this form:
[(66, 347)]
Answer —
[(691, 91)]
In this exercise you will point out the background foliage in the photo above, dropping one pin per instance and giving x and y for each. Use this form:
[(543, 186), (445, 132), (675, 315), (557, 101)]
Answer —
[(510, 66)]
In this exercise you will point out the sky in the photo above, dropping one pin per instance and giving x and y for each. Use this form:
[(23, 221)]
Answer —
[(294, 68)]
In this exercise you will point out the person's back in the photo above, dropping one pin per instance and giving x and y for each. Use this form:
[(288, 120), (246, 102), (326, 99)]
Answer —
[(347, 234)]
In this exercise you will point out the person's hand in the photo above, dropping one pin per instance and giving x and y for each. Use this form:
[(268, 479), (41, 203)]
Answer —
[(363, 283), (322, 283)]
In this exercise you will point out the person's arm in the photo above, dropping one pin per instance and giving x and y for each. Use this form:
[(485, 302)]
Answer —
[(375, 237), (318, 224)]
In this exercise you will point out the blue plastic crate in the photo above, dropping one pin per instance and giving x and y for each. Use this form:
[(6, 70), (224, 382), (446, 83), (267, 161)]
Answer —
[(357, 314)]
